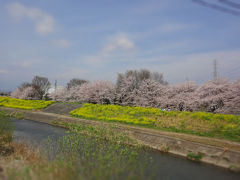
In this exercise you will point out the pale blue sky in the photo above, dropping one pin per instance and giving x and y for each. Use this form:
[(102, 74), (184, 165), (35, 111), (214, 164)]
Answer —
[(94, 40)]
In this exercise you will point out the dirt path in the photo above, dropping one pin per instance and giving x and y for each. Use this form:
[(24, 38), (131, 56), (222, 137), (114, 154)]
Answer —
[(61, 108)]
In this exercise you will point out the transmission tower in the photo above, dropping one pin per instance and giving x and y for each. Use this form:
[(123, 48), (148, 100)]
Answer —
[(215, 73)]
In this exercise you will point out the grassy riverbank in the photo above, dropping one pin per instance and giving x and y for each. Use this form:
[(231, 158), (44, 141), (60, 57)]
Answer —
[(85, 153), (24, 104), (198, 123), (6, 134)]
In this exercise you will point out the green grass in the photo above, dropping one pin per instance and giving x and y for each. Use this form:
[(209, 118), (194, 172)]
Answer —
[(6, 135), (109, 133), (24, 104), (194, 156), (85, 153), (198, 123), (6, 129)]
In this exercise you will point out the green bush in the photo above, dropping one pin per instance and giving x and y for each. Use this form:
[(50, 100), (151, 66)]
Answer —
[(194, 156)]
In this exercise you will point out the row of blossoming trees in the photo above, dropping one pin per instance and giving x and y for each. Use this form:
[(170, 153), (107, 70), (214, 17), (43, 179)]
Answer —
[(143, 88)]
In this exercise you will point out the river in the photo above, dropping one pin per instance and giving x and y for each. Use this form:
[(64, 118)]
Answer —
[(166, 166)]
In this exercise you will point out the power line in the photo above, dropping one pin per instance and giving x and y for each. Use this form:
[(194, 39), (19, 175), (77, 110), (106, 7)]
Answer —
[(217, 7), (230, 3), (235, 69), (234, 76), (233, 73)]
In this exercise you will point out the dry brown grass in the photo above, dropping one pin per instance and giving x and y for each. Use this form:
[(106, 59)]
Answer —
[(18, 158), (26, 163)]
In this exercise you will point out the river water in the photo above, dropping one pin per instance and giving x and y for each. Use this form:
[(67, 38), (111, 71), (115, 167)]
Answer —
[(165, 166)]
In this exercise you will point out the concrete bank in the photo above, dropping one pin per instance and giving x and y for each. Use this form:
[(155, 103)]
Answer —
[(221, 153)]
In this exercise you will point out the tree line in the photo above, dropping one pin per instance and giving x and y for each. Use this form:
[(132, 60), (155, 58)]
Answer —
[(142, 88)]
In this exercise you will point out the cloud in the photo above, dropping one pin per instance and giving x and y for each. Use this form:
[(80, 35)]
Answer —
[(2, 71), (119, 43), (63, 43), (43, 22)]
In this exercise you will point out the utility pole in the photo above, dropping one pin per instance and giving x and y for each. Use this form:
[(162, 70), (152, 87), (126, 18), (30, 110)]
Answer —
[(55, 85), (215, 74)]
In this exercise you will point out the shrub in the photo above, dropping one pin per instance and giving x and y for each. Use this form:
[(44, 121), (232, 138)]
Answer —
[(194, 156)]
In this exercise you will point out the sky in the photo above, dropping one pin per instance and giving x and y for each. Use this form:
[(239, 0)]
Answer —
[(95, 40)]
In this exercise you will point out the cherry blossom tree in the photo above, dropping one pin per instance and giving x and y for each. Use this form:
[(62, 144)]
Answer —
[(211, 95), (126, 91), (143, 88), (149, 94), (75, 82), (101, 92), (16, 93), (43, 84), (231, 99), (139, 76), (59, 95), (28, 92), (138, 88), (178, 97)]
